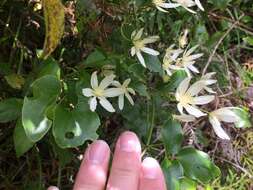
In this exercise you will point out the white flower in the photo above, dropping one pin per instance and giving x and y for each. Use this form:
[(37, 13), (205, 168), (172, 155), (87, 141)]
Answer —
[(188, 3), (140, 45), (126, 92), (225, 115), (206, 79), (171, 56), (187, 99), (101, 92), (183, 40), (161, 5), (186, 62), (184, 118)]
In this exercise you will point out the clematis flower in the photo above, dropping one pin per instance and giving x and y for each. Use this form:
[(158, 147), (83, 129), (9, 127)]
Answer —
[(101, 92), (187, 4), (186, 62), (207, 80), (140, 45), (184, 118), (126, 92), (170, 57), (187, 97), (161, 5), (219, 115)]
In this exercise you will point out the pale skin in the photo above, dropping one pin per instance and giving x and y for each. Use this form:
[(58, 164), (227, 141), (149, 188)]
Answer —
[(127, 172)]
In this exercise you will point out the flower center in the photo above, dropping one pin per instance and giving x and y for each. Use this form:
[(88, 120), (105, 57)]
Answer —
[(157, 2), (138, 44), (185, 99), (98, 92)]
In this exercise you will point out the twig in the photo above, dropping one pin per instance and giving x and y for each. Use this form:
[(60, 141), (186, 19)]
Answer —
[(236, 165), (219, 42)]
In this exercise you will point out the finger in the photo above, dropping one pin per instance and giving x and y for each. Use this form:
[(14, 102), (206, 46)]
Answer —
[(53, 188), (126, 163), (92, 174), (151, 175)]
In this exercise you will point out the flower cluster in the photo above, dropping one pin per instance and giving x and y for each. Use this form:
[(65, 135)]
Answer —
[(188, 99), (107, 88), (162, 5)]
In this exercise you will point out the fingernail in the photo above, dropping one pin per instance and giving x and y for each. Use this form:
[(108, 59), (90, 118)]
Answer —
[(150, 168), (129, 142), (53, 188), (98, 152)]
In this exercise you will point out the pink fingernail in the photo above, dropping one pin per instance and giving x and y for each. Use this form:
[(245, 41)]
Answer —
[(150, 168), (98, 152), (129, 142)]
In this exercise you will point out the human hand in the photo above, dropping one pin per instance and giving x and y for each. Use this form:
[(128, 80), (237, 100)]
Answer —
[(127, 171)]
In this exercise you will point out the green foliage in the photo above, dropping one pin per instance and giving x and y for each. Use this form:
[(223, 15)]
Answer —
[(43, 99)]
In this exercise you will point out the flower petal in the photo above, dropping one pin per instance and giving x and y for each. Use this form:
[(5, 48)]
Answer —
[(217, 128), (150, 39), (106, 81), (194, 111), (138, 34), (150, 51), (184, 118), (201, 100), (87, 92), (180, 108), (169, 5), (133, 51), (161, 9), (93, 104), (183, 86), (141, 59), (193, 69), (226, 115), (113, 92), (129, 98), (195, 88), (121, 102), (106, 104), (199, 5), (94, 80)]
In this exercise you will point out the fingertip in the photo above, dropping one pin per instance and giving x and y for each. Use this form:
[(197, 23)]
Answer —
[(53, 188), (151, 175), (150, 168), (129, 142)]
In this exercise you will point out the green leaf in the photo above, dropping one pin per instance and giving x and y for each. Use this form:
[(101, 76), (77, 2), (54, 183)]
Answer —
[(34, 113), (244, 118), (197, 165), (187, 184), (73, 127), (248, 40), (176, 78), (173, 171), (172, 135), (50, 67), (21, 142), (10, 109), (15, 81), (54, 21), (95, 59), (153, 63)]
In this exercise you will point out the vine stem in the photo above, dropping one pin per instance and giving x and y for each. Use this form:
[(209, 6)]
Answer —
[(151, 126)]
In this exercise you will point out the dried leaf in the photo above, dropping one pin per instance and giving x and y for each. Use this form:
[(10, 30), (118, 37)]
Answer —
[(54, 21)]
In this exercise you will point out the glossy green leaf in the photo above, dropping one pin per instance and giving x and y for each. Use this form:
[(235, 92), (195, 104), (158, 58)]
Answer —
[(153, 63), (95, 59), (176, 78), (173, 171), (50, 67), (73, 127), (172, 136), (10, 109), (187, 184), (34, 113), (244, 118), (21, 142), (197, 165)]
